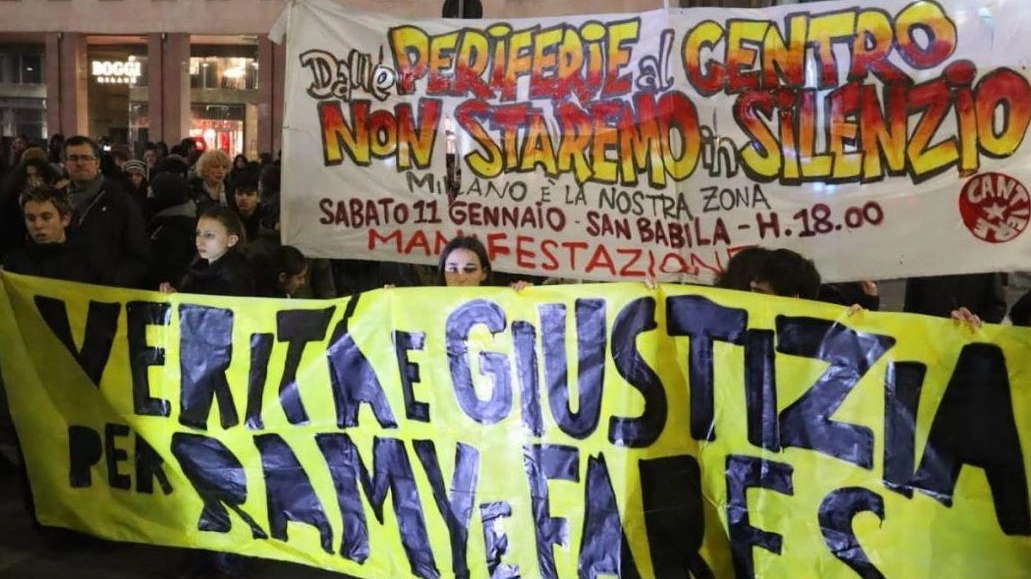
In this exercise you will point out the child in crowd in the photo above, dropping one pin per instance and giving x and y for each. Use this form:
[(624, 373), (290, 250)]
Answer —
[(287, 273), (780, 272), (220, 267)]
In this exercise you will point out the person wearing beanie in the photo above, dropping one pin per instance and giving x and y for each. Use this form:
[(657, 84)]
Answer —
[(171, 228), (135, 184)]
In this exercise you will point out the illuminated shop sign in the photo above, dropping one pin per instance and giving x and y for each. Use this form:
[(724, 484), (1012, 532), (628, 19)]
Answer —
[(116, 72)]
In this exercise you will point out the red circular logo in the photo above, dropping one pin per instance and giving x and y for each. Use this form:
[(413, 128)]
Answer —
[(994, 207)]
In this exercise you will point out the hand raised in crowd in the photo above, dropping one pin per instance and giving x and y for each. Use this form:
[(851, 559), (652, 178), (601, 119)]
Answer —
[(651, 283), (966, 316), (869, 287), (166, 288)]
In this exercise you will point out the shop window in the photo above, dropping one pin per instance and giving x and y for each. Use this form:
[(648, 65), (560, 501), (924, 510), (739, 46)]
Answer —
[(23, 116), (21, 68), (223, 73)]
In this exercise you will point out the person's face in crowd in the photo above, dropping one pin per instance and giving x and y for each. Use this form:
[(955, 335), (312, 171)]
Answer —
[(136, 179), (150, 157), (19, 145), (241, 163), (246, 202), (294, 282), (462, 268), (44, 222), (32, 176), (213, 239), (83, 166), (215, 174)]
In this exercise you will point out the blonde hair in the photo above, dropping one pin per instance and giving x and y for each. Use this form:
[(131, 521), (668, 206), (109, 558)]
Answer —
[(212, 158)]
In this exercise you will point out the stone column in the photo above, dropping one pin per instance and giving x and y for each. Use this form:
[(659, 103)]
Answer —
[(271, 84), (66, 75), (168, 100)]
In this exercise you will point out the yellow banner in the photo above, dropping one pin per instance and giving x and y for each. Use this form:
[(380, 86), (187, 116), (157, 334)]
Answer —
[(579, 431)]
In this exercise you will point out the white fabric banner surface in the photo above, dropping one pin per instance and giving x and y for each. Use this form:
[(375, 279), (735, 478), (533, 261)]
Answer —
[(882, 141)]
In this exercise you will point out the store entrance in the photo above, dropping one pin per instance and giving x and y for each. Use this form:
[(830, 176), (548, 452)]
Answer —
[(219, 126)]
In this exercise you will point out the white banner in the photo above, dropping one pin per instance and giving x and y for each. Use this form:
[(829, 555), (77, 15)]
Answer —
[(881, 141)]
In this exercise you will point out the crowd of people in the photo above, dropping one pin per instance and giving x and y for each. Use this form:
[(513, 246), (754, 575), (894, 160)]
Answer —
[(185, 220)]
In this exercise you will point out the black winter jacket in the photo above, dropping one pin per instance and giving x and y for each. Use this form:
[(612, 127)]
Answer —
[(112, 229), (172, 242), (67, 261), (230, 275)]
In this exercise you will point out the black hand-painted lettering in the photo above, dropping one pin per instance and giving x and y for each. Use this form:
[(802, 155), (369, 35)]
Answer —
[(205, 350), (743, 473), (636, 318), (403, 343), (457, 509), (298, 327), (115, 455), (544, 463), (704, 321), (391, 471), (218, 477), (101, 325), (149, 467), (806, 423), (836, 513), (289, 493), (975, 425), (493, 364), (525, 340), (261, 351), (903, 382), (84, 450), (495, 541), (591, 346), (354, 381), (674, 516), (342, 459), (138, 316), (761, 390), (604, 550)]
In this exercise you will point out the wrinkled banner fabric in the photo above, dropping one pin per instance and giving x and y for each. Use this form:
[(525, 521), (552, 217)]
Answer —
[(660, 143), (582, 431)]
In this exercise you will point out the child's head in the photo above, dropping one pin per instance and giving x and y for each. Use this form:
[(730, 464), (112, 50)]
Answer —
[(464, 262), (291, 269), (218, 231), (48, 212), (779, 272)]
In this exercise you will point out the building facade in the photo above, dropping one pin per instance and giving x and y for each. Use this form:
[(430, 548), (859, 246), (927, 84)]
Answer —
[(134, 71)]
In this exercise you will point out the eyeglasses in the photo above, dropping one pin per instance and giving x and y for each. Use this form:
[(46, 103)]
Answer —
[(82, 158)]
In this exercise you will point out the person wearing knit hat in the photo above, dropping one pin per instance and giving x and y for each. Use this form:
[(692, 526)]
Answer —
[(135, 175), (171, 228)]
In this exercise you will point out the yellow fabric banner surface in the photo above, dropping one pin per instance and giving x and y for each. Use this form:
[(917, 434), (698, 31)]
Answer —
[(574, 431)]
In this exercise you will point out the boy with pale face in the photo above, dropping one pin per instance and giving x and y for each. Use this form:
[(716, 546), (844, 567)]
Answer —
[(48, 251)]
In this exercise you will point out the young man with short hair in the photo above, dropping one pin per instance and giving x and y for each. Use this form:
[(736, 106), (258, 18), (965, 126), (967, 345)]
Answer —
[(48, 251)]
